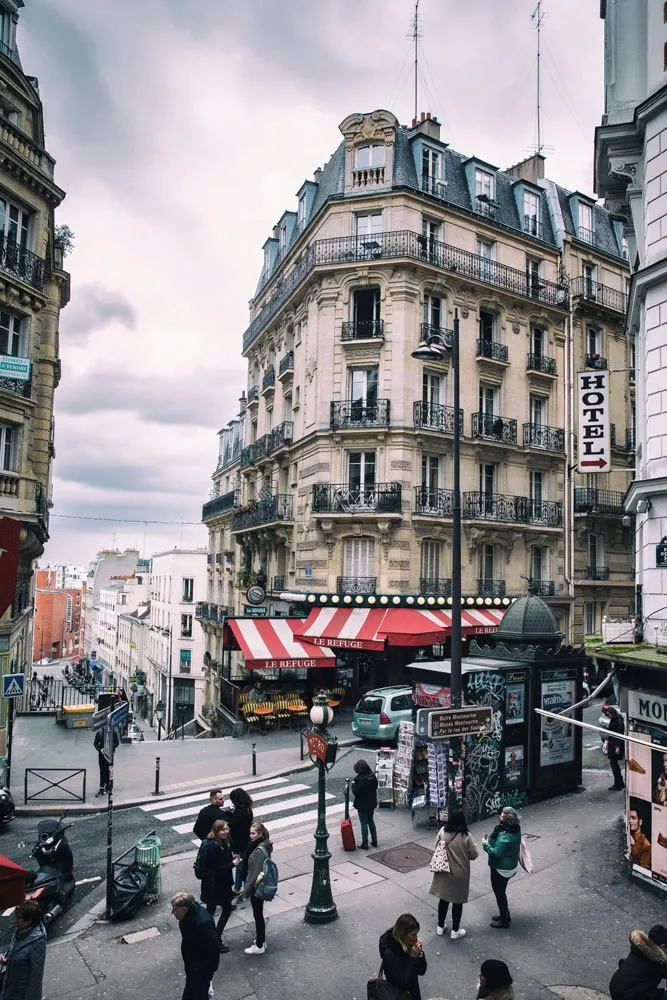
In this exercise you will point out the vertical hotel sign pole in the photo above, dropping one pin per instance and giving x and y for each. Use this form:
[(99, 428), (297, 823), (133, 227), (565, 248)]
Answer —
[(593, 444), (456, 745)]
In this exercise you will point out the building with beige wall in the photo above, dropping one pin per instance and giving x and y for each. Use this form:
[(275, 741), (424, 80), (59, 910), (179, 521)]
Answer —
[(34, 287), (346, 470)]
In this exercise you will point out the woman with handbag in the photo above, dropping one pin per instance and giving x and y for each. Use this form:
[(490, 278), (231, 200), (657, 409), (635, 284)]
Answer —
[(403, 961), (503, 848), (215, 861), (450, 864)]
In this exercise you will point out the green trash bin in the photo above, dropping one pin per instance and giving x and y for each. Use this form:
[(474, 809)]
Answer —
[(147, 856)]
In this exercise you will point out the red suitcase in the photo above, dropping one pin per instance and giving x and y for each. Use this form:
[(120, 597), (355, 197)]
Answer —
[(346, 831)]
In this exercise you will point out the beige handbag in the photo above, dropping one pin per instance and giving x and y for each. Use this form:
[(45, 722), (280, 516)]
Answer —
[(439, 861)]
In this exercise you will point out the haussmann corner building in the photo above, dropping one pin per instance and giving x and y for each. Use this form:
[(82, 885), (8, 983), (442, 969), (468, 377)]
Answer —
[(33, 289), (334, 481)]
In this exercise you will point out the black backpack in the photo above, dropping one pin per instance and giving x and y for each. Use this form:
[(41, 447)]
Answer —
[(200, 866)]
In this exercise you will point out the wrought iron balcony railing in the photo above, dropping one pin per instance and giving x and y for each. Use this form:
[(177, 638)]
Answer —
[(491, 588), (591, 501), (397, 244), (220, 505), (252, 453), (630, 443), (597, 572), (22, 387), (269, 379), (511, 509), (547, 438), (348, 413), (363, 329), (278, 584), (542, 588), (436, 502), (265, 511), (434, 417), (485, 207), (210, 558), (21, 263), (532, 226), (540, 363), (492, 349), (602, 295), (201, 611), (493, 428), (433, 185), (280, 436), (429, 331), (435, 586), (253, 394), (286, 364), (356, 584), (382, 498), (587, 235), (595, 361)]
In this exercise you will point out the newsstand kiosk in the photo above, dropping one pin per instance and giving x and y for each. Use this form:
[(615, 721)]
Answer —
[(521, 756)]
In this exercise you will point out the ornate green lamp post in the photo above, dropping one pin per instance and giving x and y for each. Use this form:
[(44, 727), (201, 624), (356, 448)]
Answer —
[(322, 749)]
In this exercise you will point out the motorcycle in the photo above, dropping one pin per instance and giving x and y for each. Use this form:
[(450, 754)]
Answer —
[(52, 885), (7, 807)]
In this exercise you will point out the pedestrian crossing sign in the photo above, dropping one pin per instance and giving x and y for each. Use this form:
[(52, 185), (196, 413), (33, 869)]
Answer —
[(13, 685)]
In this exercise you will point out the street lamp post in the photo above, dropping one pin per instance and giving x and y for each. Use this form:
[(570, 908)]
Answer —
[(322, 749), (159, 715)]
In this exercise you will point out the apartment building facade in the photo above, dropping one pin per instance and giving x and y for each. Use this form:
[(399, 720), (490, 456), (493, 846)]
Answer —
[(34, 287), (108, 565), (346, 469), (57, 616), (120, 596)]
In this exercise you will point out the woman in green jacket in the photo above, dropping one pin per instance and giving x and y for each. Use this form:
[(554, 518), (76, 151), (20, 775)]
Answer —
[(503, 848)]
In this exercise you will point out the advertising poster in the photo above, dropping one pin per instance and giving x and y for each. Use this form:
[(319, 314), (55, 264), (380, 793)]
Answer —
[(432, 696), (646, 779), (639, 833), (514, 757), (556, 736), (515, 696)]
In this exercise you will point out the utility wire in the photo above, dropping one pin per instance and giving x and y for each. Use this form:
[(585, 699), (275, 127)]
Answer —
[(119, 520)]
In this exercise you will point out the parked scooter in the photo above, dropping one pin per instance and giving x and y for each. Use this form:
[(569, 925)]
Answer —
[(52, 885), (7, 807)]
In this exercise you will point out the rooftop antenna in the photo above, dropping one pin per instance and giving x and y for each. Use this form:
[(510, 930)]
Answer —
[(537, 16), (416, 36)]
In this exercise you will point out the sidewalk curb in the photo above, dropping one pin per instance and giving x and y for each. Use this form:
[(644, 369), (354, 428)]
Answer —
[(89, 809)]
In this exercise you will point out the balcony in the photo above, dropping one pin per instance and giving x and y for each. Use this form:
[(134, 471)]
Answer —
[(630, 439), (278, 584), (532, 225), (511, 509), (286, 366), (485, 206), (587, 501), (254, 452), (601, 295), (220, 505), (351, 413), (540, 363), (433, 185), (491, 588), (394, 245), (210, 558), (434, 586), (20, 387), (490, 427), (435, 503), (269, 381), (597, 572), (356, 584), (542, 588), (253, 396), (492, 351), (23, 264), (383, 498), (364, 178), (201, 611), (595, 361), (363, 329), (585, 235), (279, 437), (268, 510), (434, 417), (428, 331), (546, 438)]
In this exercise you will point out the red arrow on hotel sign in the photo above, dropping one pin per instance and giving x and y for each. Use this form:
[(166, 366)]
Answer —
[(10, 536), (600, 462)]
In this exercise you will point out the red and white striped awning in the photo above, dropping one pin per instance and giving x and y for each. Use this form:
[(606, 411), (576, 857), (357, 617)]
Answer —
[(371, 628), (271, 643)]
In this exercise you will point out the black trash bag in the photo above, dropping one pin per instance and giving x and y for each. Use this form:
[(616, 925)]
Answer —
[(128, 893)]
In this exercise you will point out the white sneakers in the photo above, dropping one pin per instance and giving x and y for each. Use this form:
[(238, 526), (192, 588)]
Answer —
[(440, 930), (455, 935), (255, 950)]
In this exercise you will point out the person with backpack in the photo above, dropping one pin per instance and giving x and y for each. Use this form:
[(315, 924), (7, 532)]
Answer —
[(261, 882), (214, 865), (240, 822)]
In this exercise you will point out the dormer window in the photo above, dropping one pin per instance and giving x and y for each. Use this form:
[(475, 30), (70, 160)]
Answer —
[(301, 213), (585, 231), (282, 236), (484, 188), (431, 171), (369, 156), (531, 213), (6, 33), (267, 262)]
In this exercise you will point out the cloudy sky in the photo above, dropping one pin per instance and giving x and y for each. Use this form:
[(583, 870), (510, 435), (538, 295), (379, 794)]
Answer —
[(182, 130)]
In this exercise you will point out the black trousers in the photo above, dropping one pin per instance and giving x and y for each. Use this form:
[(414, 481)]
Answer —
[(260, 924), (457, 913), (614, 763), (104, 771), (196, 987), (224, 916), (499, 886)]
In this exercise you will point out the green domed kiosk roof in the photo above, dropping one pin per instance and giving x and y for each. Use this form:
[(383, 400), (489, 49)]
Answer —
[(529, 620)]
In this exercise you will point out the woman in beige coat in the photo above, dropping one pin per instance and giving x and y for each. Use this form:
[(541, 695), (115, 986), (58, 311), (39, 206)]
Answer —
[(453, 886)]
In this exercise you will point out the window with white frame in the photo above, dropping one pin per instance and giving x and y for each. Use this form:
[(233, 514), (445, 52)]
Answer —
[(537, 408), (484, 187), (593, 342), (487, 479), (287, 406), (431, 170), (369, 156), (537, 341), (487, 563), (363, 387), (366, 312), (15, 224), (267, 261), (531, 212), (487, 327), (539, 563), (301, 212), (188, 589), (186, 626), (268, 420), (368, 224), (595, 545), (488, 400), (431, 473), (432, 389), (534, 276), (6, 30), (592, 618), (433, 311), (430, 562), (485, 255), (282, 235), (537, 486), (585, 222), (8, 447), (361, 470), (589, 274), (359, 557), (430, 238), (11, 334)]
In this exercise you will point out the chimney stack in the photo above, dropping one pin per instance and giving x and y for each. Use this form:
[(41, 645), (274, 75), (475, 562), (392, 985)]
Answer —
[(426, 125), (243, 402), (317, 175)]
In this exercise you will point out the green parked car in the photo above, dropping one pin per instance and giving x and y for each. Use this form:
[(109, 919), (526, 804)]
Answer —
[(378, 713)]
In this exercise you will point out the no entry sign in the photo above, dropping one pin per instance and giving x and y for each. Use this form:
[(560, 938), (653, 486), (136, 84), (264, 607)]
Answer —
[(593, 453), (10, 536)]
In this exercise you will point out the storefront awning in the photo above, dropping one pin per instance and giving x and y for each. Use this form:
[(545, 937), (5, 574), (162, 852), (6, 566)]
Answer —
[(271, 643), (364, 628)]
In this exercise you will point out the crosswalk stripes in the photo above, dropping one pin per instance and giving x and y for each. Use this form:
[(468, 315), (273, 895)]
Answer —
[(284, 807)]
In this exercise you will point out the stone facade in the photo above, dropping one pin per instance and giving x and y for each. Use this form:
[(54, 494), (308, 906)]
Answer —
[(34, 287)]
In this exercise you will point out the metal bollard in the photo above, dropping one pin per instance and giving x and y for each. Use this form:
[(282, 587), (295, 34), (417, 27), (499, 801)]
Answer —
[(157, 777), (254, 758)]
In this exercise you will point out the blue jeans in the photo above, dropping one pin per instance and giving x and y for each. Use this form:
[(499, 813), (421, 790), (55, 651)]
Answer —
[(367, 823), (239, 872)]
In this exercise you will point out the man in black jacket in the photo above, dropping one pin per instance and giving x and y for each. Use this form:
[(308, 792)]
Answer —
[(638, 977), (208, 815), (200, 946), (615, 748), (100, 743)]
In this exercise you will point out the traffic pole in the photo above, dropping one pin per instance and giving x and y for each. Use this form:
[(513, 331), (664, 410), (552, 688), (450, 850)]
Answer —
[(254, 758), (110, 832), (157, 777), (10, 733)]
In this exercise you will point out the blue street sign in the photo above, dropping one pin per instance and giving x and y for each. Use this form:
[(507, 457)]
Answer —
[(13, 685), (119, 715)]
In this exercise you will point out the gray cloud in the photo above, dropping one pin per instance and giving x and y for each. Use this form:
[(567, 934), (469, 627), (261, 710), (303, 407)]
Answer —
[(110, 474), (92, 307)]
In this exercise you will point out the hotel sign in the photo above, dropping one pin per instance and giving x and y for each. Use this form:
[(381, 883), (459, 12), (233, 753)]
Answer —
[(593, 437)]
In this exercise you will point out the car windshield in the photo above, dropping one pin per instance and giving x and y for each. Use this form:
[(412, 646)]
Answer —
[(369, 705)]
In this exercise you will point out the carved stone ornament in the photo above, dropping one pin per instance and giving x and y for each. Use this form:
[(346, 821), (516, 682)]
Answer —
[(310, 368), (376, 125)]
